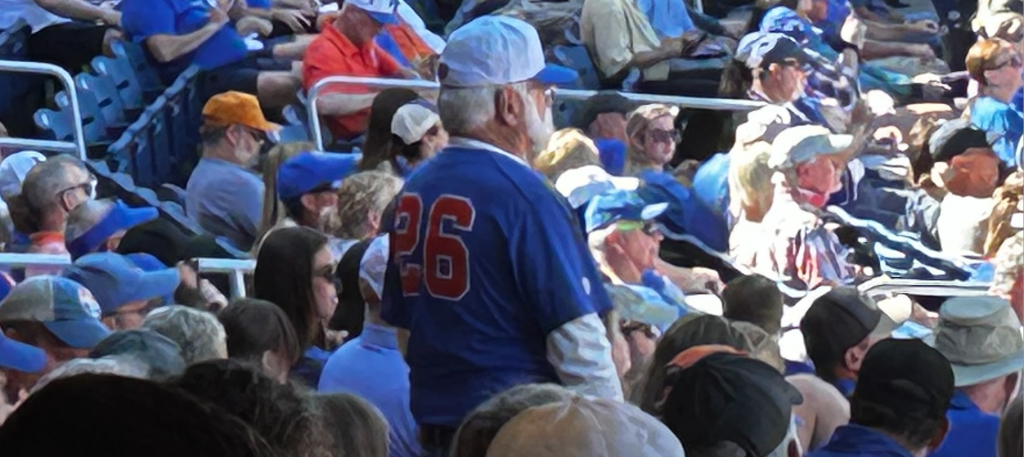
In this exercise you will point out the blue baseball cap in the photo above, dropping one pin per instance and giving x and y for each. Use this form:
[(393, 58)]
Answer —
[(497, 50), (19, 356), (120, 217), (382, 11), (313, 170), (149, 263), (619, 205), (115, 281), (63, 306)]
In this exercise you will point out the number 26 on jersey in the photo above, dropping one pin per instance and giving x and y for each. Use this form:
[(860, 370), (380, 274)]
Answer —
[(443, 267)]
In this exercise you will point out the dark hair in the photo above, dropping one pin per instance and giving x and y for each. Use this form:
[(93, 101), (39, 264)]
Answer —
[(355, 426), (689, 331), (755, 299), (284, 277), (293, 207), (915, 432), (411, 152), (1011, 437), (279, 412), (254, 327), (377, 147), (141, 417)]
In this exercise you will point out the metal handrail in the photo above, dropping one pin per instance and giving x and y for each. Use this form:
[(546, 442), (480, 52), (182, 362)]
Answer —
[(725, 104), (78, 144), (882, 285), (236, 268)]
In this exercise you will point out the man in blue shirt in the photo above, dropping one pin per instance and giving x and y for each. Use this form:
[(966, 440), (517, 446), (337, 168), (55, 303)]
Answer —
[(180, 33), (981, 338), (223, 194), (489, 272), (371, 365), (899, 407)]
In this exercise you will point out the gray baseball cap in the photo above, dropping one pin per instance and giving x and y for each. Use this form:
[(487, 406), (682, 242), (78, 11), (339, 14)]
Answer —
[(802, 144)]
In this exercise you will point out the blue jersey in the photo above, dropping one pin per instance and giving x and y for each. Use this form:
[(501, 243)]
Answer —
[(486, 260)]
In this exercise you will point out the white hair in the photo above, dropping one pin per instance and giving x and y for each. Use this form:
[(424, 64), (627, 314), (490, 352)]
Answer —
[(126, 366), (199, 334), (464, 109)]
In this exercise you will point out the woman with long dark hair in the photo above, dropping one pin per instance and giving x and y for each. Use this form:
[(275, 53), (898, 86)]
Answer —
[(295, 271), (377, 147)]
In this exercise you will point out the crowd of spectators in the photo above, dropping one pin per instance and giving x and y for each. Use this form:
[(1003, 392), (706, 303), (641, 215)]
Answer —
[(650, 281)]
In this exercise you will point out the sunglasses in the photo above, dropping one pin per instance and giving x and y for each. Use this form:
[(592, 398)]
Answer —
[(647, 227), (1014, 61), (89, 187), (326, 272), (663, 136)]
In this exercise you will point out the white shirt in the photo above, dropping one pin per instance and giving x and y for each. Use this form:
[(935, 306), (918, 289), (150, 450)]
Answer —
[(34, 15), (963, 224), (410, 17)]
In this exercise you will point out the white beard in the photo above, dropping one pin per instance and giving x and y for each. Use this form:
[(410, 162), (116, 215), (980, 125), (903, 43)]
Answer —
[(539, 130)]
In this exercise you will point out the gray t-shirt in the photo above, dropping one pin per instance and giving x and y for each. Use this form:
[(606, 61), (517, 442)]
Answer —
[(226, 200)]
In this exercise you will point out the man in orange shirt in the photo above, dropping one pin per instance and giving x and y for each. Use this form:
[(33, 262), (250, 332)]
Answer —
[(347, 47)]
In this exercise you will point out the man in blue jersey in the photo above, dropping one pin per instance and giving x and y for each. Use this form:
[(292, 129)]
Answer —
[(489, 272)]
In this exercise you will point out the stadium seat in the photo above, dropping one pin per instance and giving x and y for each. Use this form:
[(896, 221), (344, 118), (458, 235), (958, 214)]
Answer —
[(171, 193), (107, 99), (142, 69), (293, 133), (576, 57), (120, 73)]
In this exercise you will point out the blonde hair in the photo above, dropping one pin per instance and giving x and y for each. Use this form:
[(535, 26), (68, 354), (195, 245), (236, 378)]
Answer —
[(568, 149), (638, 123), (750, 181), (361, 195), (273, 208), (982, 57)]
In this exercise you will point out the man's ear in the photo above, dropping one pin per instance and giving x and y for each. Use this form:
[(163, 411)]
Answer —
[(308, 202), (508, 106)]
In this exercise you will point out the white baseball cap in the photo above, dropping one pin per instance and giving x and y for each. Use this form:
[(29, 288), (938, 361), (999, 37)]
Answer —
[(412, 121), (579, 185), (382, 11), (13, 170), (497, 50)]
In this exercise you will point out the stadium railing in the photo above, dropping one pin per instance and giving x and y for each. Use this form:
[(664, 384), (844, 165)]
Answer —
[(316, 130), (238, 269), (77, 143)]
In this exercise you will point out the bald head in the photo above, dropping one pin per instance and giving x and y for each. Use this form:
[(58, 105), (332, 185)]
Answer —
[(86, 216)]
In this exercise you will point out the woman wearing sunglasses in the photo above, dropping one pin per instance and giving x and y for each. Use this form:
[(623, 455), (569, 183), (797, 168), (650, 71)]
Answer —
[(652, 138), (996, 66), (295, 271)]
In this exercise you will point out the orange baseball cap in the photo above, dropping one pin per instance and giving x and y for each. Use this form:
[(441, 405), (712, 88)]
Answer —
[(234, 107)]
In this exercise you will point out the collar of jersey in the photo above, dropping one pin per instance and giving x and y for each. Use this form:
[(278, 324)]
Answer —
[(477, 144)]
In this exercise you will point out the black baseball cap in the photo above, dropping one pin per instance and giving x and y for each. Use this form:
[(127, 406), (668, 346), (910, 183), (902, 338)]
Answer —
[(907, 377), (729, 397), (838, 321), (602, 102), (953, 138)]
